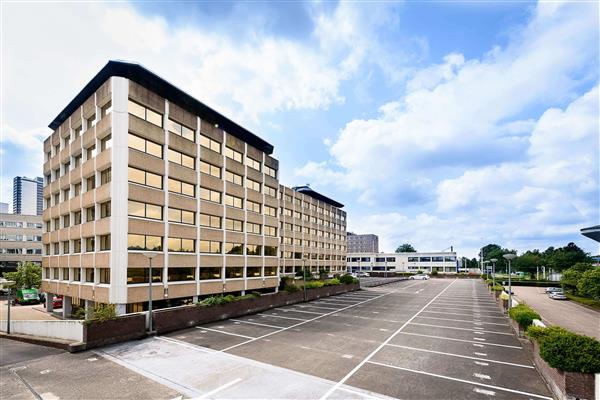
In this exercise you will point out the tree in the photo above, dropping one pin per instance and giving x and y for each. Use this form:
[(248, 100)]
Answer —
[(27, 276), (589, 284), (491, 251), (572, 276), (565, 257), (528, 261), (406, 248)]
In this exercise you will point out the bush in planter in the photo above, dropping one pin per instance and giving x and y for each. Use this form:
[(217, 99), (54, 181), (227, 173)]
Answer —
[(567, 351), (291, 288), (348, 279), (332, 282), (434, 272), (315, 284), (216, 300), (523, 315), (102, 313)]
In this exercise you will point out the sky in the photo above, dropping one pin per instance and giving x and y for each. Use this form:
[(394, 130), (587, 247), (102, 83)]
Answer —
[(435, 123)]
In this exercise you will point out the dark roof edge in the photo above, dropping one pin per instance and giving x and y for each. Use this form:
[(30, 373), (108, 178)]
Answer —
[(158, 85), (309, 192)]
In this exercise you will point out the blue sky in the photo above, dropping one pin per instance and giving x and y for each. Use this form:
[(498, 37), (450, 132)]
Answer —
[(436, 123)]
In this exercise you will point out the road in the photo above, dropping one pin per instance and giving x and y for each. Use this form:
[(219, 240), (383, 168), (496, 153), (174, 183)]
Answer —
[(565, 313)]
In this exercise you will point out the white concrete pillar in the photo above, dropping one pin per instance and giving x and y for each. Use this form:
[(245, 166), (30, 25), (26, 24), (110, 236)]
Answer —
[(89, 308), (67, 308), (121, 309), (49, 304)]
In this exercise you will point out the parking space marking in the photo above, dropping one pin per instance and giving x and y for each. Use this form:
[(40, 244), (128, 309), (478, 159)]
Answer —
[(462, 329), (302, 311), (280, 316), (382, 345), (539, 396), (467, 305), (324, 308), (462, 356), (220, 388), (483, 391), (256, 323), (464, 320), (186, 344), (301, 323), (475, 312), (226, 333), (468, 315), (329, 303), (462, 340), (482, 376)]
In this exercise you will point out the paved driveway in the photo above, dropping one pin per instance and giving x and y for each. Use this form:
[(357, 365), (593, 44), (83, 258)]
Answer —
[(567, 314)]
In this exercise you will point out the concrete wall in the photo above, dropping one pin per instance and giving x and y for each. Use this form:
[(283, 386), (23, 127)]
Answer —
[(66, 330)]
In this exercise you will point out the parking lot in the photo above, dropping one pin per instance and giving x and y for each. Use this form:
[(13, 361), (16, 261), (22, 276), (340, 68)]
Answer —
[(432, 339)]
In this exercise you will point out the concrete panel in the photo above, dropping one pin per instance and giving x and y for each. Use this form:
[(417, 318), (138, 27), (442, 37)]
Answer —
[(210, 182), (234, 261), (104, 125), (234, 285), (182, 260), (255, 175), (182, 116), (102, 260), (86, 291), (182, 231), (236, 190), (87, 168), (182, 202), (207, 207), (140, 293), (138, 260), (211, 234), (235, 166), (183, 145), (254, 239), (146, 194), (235, 237), (87, 260), (211, 287), (209, 130), (211, 157), (103, 226), (144, 227), (101, 294), (181, 173), (103, 160), (211, 261), (87, 230), (88, 138), (182, 290), (103, 193), (254, 283), (255, 196), (146, 130), (146, 97), (254, 153), (146, 162)]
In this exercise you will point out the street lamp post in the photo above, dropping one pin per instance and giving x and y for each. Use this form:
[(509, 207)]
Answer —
[(304, 276), (494, 260), (385, 263), (150, 255), (509, 256)]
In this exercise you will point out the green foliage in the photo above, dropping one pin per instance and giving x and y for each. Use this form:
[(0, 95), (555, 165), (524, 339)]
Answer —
[(101, 313), (566, 350), (333, 282), (565, 257), (498, 288), (314, 284), (523, 315), (291, 288), (78, 312), (348, 279), (27, 276), (570, 277), (584, 300), (434, 272), (216, 300), (406, 248), (589, 284)]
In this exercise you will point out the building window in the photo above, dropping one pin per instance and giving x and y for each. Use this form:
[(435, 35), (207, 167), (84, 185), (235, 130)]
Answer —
[(270, 271), (144, 242), (144, 210), (77, 189), (105, 209), (253, 250), (181, 274), (233, 154), (176, 186), (234, 248), (210, 169), (269, 191), (90, 214), (90, 152), (144, 178), (413, 259), (253, 272), (90, 244), (77, 246), (253, 206), (233, 178), (234, 272), (233, 201), (89, 275), (66, 247), (104, 275), (271, 171), (210, 143), (106, 109), (181, 130), (66, 221), (210, 195), (182, 159), (104, 242), (234, 225), (182, 245), (270, 230), (425, 259), (76, 274), (210, 273), (77, 217), (254, 185), (210, 221), (142, 275), (106, 143), (253, 228), (145, 113), (144, 145), (55, 273), (252, 163), (90, 183), (208, 246), (270, 211), (271, 251), (183, 216)]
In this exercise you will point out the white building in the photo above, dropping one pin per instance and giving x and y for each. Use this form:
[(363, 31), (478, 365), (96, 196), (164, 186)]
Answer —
[(442, 262)]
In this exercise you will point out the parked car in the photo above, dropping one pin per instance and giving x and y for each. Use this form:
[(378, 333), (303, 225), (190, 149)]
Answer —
[(552, 289), (558, 296), (362, 275), (57, 302), (27, 296), (419, 277)]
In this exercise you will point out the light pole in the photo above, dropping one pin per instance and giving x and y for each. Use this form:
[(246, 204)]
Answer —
[(385, 263), (494, 260), (509, 256), (304, 275), (8, 300), (150, 255)]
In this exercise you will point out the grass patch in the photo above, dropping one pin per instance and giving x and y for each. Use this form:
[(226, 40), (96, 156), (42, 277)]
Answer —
[(584, 300)]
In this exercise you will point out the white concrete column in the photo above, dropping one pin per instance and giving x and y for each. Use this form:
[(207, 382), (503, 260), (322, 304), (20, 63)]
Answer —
[(89, 308), (121, 309), (49, 305), (67, 307)]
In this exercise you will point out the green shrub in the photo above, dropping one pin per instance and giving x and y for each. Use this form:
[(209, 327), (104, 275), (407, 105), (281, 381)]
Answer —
[(332, 282), (348, 279), (434, 272), (216, 300), (101, 313), (291, 288), (589, 284), (523, 315), (498, 288), (256, 294), (314, 284), (566, 350)]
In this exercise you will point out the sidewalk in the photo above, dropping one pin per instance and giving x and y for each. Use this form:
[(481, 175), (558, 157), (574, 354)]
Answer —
[(20, 313)]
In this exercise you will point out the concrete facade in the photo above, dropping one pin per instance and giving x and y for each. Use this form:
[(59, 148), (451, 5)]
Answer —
[(363, 243), (129, 170), (442, 262), (20, 240)]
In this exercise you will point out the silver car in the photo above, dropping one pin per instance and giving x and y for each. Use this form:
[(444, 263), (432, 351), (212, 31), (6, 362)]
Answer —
[(558, 295)]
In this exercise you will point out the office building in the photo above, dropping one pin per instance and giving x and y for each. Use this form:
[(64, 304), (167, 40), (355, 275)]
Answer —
[(3, 208), (135, 165), (27, 195), (20, 240), (442, 262), (367, 243)]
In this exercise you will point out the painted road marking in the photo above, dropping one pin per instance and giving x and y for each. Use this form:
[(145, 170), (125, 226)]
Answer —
[(480, 339), (463, 381), (480, 332), (227, 333), (462, 356), (460, 340), (324, 308), (302, 311), (483, 391), (484, 364), (257, 323), (464, 320), (366, 359), (280, 316), (482, 376), (468, 315), (478, 345), (220, 388)]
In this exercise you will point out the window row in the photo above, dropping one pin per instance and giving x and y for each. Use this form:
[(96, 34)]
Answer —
[(85, 275), (75, 246), (296, 255), (177, 274), (75, 218)]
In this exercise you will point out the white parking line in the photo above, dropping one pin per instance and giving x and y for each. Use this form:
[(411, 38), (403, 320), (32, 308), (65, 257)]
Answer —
[(330, 303), (473, 311), (300, 323), (225, 332), (464, 320), (280, 316), (257, 323), (366, 359), (463, 381), (483, 391), (220, 388), (467, 315), (463, 305), (462, 329), (324, 308), (462, 356), (302, 311), (461, 340)]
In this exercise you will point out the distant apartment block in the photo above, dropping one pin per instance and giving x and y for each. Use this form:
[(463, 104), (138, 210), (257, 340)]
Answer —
[(27, 195), (367, 243), (3, 208), (20, 240), (442, 262), (136, 165)]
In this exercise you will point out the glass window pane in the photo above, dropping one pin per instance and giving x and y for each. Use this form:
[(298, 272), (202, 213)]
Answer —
[(154, 117), (174, 186), (187, 133), (154, 149), (136, 175), (174, 215), (174, 127), (136, 142), (153, 211), (154, 243), (187, 217), (174, 244), (135, 208), (154, 180), (174, 156), (136, 110), (135, 242)]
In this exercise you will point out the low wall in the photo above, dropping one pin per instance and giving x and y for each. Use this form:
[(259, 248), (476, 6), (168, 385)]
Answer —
[(122, 329), (60, 329), (171, 319)]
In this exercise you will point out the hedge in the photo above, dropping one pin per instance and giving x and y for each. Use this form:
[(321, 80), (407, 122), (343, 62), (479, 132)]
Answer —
[(567, 351), (523, 315)]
